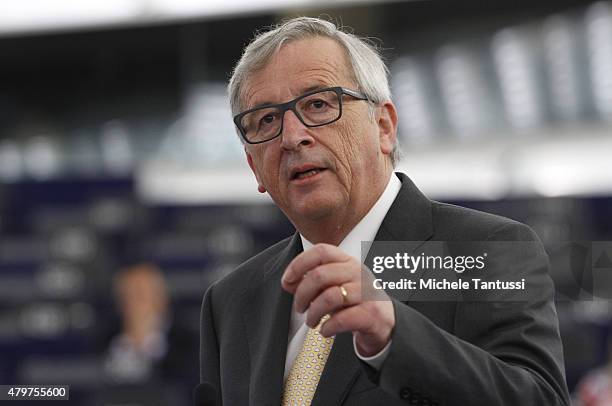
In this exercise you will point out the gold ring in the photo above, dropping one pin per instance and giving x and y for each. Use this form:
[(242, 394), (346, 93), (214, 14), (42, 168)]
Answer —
[(344, 295)]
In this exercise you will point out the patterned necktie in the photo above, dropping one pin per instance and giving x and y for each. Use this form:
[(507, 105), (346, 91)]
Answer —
[(307, 368)]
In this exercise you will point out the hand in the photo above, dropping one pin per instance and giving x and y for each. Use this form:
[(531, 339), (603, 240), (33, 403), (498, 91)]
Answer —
[(315, 278)]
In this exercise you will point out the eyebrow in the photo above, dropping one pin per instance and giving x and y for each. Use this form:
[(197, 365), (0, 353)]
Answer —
[(302, 91)]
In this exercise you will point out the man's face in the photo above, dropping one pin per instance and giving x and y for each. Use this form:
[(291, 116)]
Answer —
[(142, 295), (315, 173)]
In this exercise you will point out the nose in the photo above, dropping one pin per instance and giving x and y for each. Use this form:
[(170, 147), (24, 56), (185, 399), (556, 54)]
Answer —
[(295, 133)]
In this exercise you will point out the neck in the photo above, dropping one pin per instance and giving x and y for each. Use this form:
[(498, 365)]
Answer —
[(330, 230)]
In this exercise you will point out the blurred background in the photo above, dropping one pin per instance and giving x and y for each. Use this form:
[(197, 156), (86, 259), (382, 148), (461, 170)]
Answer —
[(121, 174)]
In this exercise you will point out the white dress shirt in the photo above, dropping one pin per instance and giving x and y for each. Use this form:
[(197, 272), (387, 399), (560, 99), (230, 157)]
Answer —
[(365, 230)]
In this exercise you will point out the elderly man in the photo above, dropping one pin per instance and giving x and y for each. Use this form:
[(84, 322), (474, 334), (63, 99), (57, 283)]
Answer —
[(291, 325)]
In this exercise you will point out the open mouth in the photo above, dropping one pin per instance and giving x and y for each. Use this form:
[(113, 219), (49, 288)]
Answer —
[(298, 175)]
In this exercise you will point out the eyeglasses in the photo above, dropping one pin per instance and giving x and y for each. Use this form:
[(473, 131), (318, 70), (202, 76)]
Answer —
[(313, 109)]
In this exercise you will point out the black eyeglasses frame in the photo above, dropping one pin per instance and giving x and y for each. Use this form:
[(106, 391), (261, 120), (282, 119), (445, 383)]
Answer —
[(290, 105)]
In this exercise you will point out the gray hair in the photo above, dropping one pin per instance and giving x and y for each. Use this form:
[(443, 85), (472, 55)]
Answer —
[(369, 70)]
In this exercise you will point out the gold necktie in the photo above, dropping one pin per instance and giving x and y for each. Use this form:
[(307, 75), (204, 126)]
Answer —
[(307, 368)]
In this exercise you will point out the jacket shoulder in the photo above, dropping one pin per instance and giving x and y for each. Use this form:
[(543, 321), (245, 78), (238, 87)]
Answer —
[(452, 222)]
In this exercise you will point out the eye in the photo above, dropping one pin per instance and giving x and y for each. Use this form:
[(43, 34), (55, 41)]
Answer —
[(318, 104), (267, 119)]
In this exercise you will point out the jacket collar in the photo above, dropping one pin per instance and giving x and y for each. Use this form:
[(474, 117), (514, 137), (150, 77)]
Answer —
[(409, 218)]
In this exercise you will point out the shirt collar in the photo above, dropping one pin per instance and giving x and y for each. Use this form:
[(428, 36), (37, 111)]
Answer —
[(368, 226)]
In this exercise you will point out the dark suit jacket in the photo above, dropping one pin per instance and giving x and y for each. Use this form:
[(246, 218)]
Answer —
[(442, 353)]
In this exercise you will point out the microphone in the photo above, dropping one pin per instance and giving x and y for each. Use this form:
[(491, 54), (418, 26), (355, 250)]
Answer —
[(205, 395)]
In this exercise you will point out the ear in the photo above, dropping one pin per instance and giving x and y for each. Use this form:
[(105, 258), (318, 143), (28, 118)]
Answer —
[(260, 187), (387, 126)]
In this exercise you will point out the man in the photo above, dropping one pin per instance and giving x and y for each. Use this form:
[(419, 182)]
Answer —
[(148, 347), (291, 325)]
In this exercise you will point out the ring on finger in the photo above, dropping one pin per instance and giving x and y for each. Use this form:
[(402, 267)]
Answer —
[(344, 293)]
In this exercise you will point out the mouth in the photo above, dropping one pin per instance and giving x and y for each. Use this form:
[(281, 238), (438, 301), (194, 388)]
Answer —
[(305, 172)]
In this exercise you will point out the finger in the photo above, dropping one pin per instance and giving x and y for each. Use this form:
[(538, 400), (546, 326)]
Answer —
[(318, 255), (319, 279), (331, 301), (353, 318)]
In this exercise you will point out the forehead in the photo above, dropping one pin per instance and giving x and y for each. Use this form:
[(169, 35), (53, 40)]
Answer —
[(299, 66), (139, 279)]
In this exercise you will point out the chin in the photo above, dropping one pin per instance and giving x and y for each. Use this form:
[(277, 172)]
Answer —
[(315, 209)]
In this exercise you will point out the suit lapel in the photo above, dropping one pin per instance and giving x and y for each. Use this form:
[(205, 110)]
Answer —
[(267, 315), (408, 219), (340, 372)]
